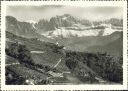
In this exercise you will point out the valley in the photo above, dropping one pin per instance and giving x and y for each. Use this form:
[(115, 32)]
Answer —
[(62, 51)]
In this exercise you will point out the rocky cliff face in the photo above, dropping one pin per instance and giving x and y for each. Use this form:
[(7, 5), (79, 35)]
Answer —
[(65, 20), (68, 26), (16, 27)]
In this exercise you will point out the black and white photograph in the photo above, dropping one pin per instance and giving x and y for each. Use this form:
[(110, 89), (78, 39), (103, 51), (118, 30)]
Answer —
[(64, 45)]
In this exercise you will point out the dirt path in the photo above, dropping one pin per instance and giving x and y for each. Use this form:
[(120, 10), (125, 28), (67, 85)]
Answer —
[(11, 64), (37, 52)]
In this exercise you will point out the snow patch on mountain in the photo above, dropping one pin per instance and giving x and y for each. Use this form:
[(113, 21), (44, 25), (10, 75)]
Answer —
[(109, 30), (66, 33), (81, 31), (31, 21), (69, 33)]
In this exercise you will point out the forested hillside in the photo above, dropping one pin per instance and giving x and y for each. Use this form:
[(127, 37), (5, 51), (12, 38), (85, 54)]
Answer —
[(85, 66)]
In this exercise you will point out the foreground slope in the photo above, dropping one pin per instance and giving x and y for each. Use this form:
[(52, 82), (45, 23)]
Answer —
[(81, 67)]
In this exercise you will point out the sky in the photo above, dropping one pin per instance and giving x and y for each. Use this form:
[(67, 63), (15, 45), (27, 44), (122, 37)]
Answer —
[(35, 13)]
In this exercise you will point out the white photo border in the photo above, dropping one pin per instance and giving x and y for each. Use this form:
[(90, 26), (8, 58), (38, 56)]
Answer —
[(64, 87)]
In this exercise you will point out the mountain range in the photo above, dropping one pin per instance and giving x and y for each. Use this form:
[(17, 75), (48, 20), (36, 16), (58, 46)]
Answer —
[(69, 26), (72, 32)]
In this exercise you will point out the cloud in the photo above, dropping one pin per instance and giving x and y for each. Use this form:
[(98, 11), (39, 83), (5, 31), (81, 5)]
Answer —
[(24, 13)]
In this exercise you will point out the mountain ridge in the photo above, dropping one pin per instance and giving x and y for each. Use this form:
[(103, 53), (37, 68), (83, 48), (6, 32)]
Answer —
[(64, 26)]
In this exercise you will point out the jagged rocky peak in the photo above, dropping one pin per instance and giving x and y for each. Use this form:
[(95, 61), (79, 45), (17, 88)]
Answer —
[(65, 20), (43, 25), (116, 22)]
